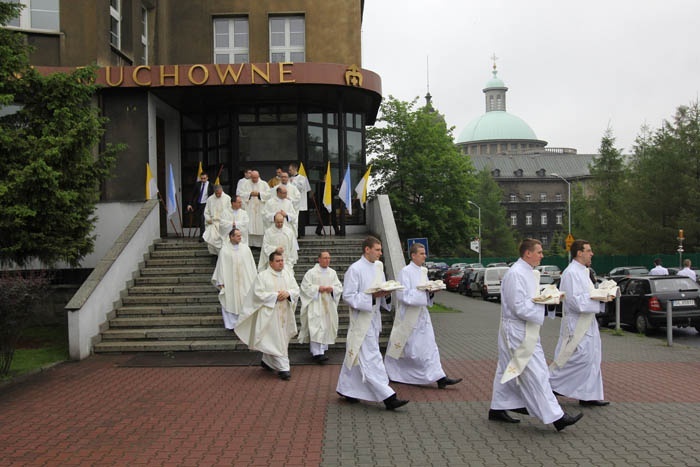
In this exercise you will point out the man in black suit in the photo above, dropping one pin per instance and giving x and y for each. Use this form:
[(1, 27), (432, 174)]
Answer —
[(202, 190)]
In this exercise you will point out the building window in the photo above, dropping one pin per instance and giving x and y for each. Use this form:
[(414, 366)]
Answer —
[(518, 172), (528, 197), (560, 218), (543, 197), (545, 240), (513, 218), (144, 35), (287, 39), (115, 21), (37, 14), (557, 196), (543, 218), (528, 218), (513, 198), (496, 172), (231, 40)]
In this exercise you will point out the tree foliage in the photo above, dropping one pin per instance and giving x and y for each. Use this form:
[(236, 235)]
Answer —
[(497, 237), (429, 183), (49, 170)]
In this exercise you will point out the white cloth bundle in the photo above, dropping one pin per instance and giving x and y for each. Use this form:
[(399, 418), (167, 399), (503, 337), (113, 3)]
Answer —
[(549, 295), (432, 286), (606, 291)]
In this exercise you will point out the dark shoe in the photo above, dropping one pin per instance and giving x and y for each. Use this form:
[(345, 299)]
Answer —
[(319, 359), (593, 403), (501, 416), (445, 381), (318, 232), (265, 366), (284, 375), (521, 410), (566, 420), (348, 399), (392, 402)]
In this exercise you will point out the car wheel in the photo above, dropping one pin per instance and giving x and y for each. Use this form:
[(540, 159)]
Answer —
[(485, 297), (642, 324)]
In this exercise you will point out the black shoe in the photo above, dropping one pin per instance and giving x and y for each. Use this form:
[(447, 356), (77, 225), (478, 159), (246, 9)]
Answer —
[(593, 403), (265, 366), (521, 410), (318, 232), (392, 402), (319, 359), (284, 375), (445, 381), (501, 416), (348, 399), (566, 420)]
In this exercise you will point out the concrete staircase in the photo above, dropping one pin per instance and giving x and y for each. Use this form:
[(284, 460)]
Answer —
[(172, 305)]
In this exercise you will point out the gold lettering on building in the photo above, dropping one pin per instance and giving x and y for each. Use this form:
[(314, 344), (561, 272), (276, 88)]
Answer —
[(190, 74), (285, 72), (108, 76), (228, 71), (353, 76), (135, 75), (254, 70), (175, 75)]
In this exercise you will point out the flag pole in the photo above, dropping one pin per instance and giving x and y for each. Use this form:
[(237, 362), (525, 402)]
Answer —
[(160, 198), (318, 214)]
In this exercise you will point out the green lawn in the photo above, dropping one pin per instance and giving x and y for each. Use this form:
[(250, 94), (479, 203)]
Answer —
[(39, 346), (437, 308)]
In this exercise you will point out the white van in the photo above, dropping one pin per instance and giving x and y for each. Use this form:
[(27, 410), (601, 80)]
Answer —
[(491, 288)]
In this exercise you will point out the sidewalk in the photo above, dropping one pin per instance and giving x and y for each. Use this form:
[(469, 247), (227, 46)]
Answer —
[(98, 412)]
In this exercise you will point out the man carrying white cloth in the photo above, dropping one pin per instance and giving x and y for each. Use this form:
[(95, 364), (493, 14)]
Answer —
[(320, 293), (233, 276), (521, 383), (412, 356), (362, 375), (267, 322), (255, 193), (218, 217), (575, 371)]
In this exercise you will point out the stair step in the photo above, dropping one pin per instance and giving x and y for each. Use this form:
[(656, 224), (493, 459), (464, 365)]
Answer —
[(172, 289), (167, 310), (173, 279), (169, 333), (170, 299), (177, 270), (209, 320)]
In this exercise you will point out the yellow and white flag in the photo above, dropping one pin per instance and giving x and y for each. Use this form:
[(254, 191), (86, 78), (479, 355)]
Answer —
[(302, 171), (361, 188), (199, 172), (327, 190), (151, 186)]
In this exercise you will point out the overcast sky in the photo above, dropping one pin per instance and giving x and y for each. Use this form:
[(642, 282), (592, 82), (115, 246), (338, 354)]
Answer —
[(572, 68)]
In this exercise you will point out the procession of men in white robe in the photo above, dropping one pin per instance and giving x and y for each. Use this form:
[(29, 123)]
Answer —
[(254, 193), (218, 217), (320, 294), (279, 236), (240, 218)]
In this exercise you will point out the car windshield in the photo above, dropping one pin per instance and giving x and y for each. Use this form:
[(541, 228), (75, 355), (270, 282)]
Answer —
[(637, 271), (674, 285)]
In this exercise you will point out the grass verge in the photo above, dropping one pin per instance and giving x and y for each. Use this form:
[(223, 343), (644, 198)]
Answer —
[(437, 308), (39, 346)]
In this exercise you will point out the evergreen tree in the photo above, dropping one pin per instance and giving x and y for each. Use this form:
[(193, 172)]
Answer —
[(498, 238)]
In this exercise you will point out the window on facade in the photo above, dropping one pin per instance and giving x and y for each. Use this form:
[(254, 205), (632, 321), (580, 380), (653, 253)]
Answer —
[(115, 22), (287, 39), (543, 197), (144, 35), (560, 218), (499, 103), (528, 218), (37, 14), (545, 240), (231, 40), (543, 218), (513, 198), (528, 197), (557, 196), (513, 218)]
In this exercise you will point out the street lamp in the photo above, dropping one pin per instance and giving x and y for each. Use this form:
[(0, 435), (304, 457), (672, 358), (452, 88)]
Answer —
[(569, 209), (477, 207)]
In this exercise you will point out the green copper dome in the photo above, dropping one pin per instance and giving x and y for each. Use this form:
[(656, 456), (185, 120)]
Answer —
[(496, 125), (495, 82)]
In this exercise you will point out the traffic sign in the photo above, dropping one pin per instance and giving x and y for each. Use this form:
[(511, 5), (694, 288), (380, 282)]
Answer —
[(422, 241), (569, 241), (475, 245)]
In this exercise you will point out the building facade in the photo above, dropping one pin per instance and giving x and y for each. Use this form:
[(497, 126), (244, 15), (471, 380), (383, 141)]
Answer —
[(535, 179), (230, 84)]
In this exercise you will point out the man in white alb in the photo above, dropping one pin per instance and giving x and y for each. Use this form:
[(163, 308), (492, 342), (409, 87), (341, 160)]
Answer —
[(302, 184), (255, 193), (246, 176), (233, 276), (320, 295), (267, 321), (240, 218), (279, 203), (218, 217), (363, 375), (575, 371), (279, 237), (521, 383), (412, 356)]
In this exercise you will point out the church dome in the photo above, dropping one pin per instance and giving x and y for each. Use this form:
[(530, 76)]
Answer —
[(496, 125)]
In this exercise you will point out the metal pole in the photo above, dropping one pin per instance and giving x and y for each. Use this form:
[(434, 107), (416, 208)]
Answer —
[(479, 213), (568, 214), (617, 312), (669, 322)]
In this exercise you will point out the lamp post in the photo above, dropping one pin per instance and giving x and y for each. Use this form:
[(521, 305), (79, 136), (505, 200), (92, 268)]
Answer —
[(477, 207), (569, 202)]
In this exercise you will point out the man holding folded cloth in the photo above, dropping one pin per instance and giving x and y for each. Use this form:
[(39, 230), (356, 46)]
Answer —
[(575, 371)]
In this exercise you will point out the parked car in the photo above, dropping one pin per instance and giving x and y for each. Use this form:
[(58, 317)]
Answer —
[(467, 279), (491, 287), (475, 265), (452, 282), (550, 270), (497, 265), (618, 273), (437, 270), (643, 302), (476, 283)]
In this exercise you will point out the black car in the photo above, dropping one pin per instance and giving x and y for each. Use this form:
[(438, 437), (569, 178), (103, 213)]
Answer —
[(437, 270), (643, 302), (617, 274)]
